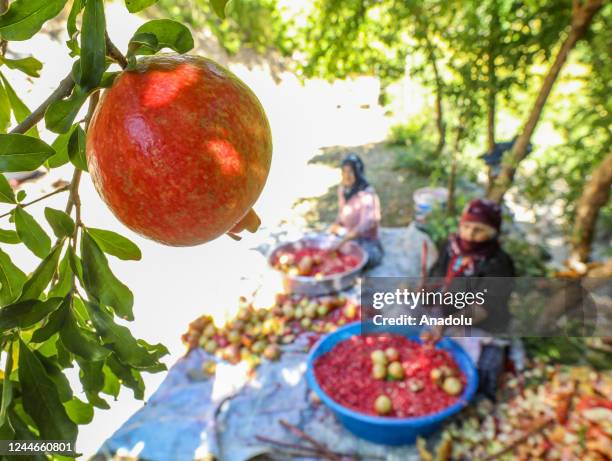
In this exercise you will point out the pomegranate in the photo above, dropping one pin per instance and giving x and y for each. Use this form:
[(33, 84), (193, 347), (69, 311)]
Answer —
[(180, 150)]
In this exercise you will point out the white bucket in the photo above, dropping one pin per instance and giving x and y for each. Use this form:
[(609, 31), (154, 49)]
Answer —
[(426, 199)]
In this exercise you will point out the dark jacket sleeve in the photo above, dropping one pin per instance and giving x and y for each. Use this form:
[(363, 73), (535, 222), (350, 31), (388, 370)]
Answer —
[(440, 267), (500, 270), (498, 265)]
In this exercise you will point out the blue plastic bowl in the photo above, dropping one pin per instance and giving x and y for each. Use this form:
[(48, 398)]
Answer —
[(382, 430)]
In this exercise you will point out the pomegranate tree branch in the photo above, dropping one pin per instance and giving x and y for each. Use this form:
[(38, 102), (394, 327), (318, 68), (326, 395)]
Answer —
[(50, 194), (320, 447), (3, 43), (74, 199), (113, 52), (63, 90)]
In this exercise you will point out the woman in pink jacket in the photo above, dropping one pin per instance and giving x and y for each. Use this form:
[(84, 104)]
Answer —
[(358, 211)]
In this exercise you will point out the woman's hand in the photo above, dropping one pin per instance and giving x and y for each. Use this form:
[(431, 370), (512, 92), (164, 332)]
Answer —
[(335, 228), (432, 336)]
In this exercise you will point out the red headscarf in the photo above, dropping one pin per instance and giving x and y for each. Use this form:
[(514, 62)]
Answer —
[(482, 211)]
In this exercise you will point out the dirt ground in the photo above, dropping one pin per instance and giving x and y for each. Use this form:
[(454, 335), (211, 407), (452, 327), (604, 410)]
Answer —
[(394, 185)]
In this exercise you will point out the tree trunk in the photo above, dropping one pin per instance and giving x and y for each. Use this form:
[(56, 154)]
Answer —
[(595, 195), (451, 207), (582, 17), (492, 86), (440, 126), (556, 308)]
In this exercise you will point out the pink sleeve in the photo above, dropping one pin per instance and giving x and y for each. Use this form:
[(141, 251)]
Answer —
[(341, 203), (369, 215)]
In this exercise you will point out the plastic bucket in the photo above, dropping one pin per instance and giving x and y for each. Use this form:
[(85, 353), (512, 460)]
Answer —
[(426, 199)]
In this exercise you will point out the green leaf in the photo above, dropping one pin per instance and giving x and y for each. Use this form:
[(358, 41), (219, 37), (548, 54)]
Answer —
[(93, 44), (60, 115), (9, 236), (219, 7), (20, 110), (60, 145), (5, 110), (97, 401), (25, 17), (11, 280), (81, 313), (41, 400), (91, 375), (21, 422), (79, 411), (21, 195), (30, 66), (75, 9), (100, 282), (119, 339), (19, 152), (42, 275), (114, 244), (76, 149), (6, 191), (80, 341), (73, 46), (75, 264), (64, 356), (64, 283), (53, 325), (108, 79), (129, 377), (92, 379), (7, 386), (141, 44), (156, 350), (31, 234), (60, 222), (6, 430), (24, 314), (112, 386), (169, 34), (134, 6), (54, 370)]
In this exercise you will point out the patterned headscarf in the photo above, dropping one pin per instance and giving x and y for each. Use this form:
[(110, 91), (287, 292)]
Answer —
[(361, 183)]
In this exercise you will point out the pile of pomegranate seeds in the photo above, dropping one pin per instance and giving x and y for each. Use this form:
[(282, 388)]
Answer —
[(345, 374)]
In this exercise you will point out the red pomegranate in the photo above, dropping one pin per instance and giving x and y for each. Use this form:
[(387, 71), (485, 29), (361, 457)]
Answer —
[(180, 149)]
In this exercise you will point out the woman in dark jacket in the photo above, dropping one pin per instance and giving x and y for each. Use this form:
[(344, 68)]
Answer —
[(475, 252)]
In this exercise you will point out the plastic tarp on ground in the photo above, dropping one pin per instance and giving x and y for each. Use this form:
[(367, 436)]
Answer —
[(193, 417)]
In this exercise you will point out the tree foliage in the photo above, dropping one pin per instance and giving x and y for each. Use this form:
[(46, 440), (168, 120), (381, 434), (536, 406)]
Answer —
[(67, 312), (479, 59), (255, 24)]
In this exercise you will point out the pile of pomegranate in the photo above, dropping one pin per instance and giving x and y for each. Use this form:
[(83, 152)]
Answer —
[(315, 262), (258, 333), (389, 375)]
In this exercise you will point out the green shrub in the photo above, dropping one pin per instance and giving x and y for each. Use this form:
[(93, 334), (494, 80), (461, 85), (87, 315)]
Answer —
[(529, 259)]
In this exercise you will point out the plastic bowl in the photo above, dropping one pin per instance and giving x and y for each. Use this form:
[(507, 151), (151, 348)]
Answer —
[(385, 430)]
